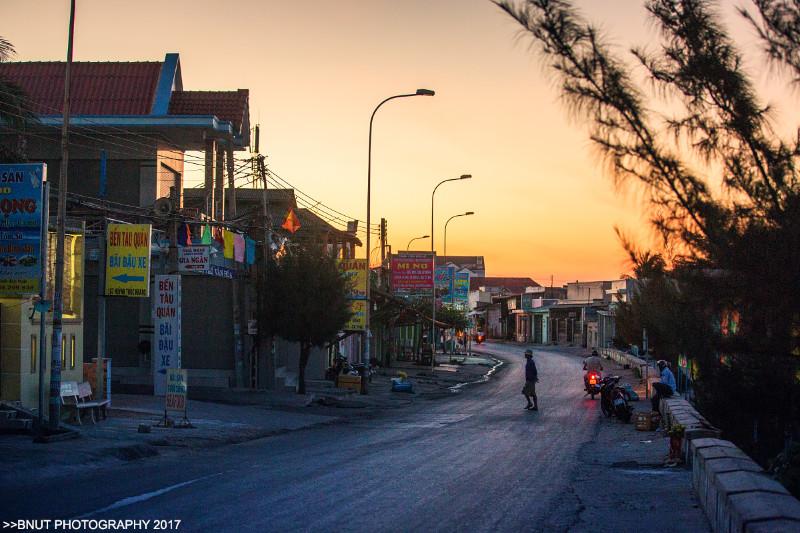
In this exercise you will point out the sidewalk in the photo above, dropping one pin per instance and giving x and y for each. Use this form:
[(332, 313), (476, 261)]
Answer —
[(224, 417), (624, 473)]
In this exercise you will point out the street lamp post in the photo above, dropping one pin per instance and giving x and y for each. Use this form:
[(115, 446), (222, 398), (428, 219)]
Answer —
[(416, 239), (468, 213), (419, 92), (433, 270)]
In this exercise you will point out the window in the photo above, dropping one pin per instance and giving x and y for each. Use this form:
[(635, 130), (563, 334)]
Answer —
[(34, 353), (63, 351), (72, 351)]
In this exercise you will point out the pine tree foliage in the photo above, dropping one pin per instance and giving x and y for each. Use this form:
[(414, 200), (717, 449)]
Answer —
[(722, 189)]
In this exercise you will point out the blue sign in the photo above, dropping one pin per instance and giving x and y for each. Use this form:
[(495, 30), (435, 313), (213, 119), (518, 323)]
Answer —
[(220, 271), (444, 282), (21, 213)]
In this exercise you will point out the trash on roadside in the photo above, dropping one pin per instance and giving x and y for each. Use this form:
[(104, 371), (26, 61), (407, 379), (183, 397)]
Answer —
[(632, 395)]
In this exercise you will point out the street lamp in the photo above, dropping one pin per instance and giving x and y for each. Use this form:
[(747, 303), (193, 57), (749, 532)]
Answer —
[(468, 213), (416, 239), (433, 268), (419, 92)]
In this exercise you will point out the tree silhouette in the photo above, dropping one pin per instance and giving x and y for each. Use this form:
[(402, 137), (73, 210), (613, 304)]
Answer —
[(722, 189), (305, 301)]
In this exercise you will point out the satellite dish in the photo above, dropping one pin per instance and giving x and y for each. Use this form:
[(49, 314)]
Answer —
[(162, 207)]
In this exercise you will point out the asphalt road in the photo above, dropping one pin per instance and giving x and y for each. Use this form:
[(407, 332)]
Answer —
[(474, 462)]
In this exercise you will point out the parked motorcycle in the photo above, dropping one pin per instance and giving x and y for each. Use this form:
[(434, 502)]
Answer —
[(613, 399), (591, 382)]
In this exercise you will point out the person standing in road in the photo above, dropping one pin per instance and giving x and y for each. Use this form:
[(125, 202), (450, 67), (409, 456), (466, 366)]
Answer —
[(531, 377), (666, 387)]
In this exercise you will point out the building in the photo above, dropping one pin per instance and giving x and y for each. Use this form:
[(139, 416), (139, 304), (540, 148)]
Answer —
[(133, 134)]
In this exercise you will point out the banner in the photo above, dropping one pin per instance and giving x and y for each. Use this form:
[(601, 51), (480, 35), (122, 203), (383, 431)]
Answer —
[(177, 384), (444, 283), (128, 260), (358, 320), (356, 272), (461, 288), (166, 330), (412, 272), (21, 198), (194, 259)]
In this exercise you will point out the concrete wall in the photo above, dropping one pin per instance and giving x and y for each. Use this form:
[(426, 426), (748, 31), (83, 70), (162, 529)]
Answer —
[(735, 493)]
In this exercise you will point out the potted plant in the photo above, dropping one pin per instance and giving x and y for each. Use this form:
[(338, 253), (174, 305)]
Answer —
[(676, 433)]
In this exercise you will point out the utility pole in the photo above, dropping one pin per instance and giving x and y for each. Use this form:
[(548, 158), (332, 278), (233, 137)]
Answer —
[(58, 288), (238, 356), (383, 241), (43, 303), (267, 224)]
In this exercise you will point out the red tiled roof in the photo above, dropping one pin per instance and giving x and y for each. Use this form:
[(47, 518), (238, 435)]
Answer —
[(230, 106), (96, 88), (502, 283)]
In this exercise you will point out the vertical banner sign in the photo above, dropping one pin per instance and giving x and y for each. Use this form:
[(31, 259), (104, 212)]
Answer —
[(412, 272), (444, 283), (461, 288), (176, 389), (128, 260), (21, 218), (358, 319), (167, 330), (356, 272)]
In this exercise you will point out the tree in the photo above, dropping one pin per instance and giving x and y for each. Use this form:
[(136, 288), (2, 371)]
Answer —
[(15, 110), (722, 186), (305, 301)]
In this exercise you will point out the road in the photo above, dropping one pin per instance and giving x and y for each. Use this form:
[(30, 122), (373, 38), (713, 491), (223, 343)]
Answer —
[(474, 462)]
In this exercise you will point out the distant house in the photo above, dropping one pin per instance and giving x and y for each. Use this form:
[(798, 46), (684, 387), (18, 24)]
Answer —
[(473, 263)]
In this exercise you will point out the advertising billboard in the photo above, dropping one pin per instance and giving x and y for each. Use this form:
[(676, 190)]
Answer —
[(412, 272), (461, 288), (444, 283), (356, 272), (21, 205), (358, 320)]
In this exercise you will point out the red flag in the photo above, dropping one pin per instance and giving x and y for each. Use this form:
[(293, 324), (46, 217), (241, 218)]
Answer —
[(291, 224)]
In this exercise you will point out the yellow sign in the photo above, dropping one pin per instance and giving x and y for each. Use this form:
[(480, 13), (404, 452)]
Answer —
[(128, 260), (358, 320), (356, 272)]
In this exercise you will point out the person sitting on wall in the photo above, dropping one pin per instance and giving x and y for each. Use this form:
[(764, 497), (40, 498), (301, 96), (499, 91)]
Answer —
[(666, 387)]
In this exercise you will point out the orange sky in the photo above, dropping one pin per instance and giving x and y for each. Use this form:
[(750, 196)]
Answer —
[(317, 68)]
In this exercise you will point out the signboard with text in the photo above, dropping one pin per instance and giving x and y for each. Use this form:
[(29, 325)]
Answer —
[(358, 320), (175, 398), (356, 272), (128, 260), (194, 259), (412, 272), (21, 200), (444, 283), (166, 329), (461, 288)]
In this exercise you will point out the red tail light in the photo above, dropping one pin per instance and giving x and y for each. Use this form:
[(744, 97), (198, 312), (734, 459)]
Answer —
[(593, 379)]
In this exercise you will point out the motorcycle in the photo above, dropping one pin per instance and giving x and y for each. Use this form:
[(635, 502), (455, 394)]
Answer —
[(591, 383), (613, 399)]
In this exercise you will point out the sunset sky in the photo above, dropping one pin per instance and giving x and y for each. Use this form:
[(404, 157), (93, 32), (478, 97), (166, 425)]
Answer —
[(317, 68)]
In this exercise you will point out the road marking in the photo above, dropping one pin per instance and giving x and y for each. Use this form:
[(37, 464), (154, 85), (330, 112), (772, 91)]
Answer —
[(144, 497)]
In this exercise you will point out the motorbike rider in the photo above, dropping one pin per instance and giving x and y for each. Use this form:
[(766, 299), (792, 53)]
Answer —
[(593, 363), (666, 387)]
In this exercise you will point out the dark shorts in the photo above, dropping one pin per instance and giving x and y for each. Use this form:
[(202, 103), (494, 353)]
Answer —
[(529, 389)]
